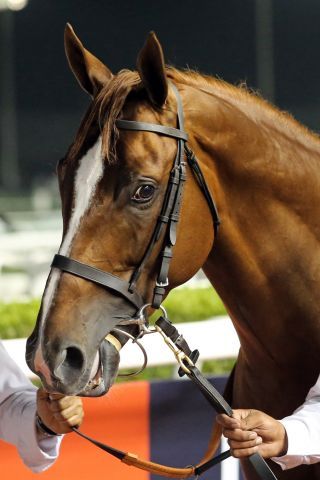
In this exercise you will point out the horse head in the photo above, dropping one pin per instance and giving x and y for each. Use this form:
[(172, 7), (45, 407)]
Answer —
[(113, 185)]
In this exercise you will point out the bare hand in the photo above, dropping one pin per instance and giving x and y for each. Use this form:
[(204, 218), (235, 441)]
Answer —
[(59, 413), (251, 431)]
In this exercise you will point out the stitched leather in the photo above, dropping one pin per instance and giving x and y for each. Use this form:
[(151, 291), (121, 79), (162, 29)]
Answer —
[(156, 468), (218, 402)]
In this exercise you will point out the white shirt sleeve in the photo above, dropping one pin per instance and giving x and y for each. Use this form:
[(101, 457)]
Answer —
[(303, 431), (17, 417)]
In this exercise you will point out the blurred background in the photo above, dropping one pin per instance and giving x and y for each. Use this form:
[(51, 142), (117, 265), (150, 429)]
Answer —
[(273, 46)]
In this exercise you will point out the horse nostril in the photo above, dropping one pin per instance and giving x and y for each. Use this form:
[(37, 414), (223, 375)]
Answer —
[(71, 364), (74, 358)]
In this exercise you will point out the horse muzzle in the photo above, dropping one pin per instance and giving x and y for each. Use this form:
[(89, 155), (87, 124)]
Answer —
[(71, 372)]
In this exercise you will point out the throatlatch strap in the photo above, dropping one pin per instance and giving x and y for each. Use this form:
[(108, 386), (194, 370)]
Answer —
[(197, 172)]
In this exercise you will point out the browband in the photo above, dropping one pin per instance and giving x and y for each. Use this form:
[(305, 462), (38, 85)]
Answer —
[(152, 127)]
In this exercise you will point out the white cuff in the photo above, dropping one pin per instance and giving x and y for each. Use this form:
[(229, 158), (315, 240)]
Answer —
[(37, 455), (298, 452)]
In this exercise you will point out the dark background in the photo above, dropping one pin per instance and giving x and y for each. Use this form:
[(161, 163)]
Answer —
[(272, 45)]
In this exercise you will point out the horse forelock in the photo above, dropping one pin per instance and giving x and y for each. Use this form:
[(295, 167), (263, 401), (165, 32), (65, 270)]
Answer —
[(102, 114)]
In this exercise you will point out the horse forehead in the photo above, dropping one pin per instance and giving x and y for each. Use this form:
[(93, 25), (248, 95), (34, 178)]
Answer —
[(145, 152), (142, 145), (137, 143)]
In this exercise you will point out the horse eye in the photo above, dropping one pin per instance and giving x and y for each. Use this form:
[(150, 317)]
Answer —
[(144, 193)]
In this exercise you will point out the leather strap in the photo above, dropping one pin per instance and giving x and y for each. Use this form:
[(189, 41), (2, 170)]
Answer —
[(170, 211), (104, 279), (261, 467), (106, 448), (168, 218), (156, 468), (162, 222), (212, 396), (194, 164), (152, 127), (215, 399), (209, 392), (133, 460)]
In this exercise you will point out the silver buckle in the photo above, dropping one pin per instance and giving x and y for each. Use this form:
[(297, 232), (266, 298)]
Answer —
[(141, 321), (163, 284), (181, 357)]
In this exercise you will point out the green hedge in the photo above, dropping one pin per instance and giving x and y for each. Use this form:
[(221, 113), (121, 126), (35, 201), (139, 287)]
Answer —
[(183, 305), (192, 304), (209, 367), (17, 319)]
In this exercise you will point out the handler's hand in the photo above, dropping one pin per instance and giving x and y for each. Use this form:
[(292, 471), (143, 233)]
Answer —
[(251, 431), (59, 413)]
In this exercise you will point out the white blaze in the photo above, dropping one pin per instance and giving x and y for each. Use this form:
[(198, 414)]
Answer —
[(89, 173)]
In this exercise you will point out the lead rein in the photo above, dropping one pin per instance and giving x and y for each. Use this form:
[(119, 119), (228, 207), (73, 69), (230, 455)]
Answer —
[(186, 359)]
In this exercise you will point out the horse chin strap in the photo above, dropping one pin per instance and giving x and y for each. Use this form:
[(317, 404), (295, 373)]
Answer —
[(165, 228)]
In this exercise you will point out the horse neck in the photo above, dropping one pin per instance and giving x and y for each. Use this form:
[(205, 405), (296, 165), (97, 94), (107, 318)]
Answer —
[(263, 172)]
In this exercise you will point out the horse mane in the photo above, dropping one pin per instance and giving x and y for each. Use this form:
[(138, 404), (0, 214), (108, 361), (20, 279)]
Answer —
[(107, 106), (249, 101)]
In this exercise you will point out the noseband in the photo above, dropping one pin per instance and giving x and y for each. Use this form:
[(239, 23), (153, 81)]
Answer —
[(167, 220)]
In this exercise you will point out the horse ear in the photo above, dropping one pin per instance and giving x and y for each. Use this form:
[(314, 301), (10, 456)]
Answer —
[(151, 68), (90, 72)]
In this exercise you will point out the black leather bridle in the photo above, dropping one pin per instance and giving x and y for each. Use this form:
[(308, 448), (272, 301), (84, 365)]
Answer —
[(165, 228), (167, 220)]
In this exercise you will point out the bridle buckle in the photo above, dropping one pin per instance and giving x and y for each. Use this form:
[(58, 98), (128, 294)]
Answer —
[(162, 284), (179, 354)]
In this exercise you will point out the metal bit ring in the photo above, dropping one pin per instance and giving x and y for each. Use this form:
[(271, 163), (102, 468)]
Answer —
[(136, 341)]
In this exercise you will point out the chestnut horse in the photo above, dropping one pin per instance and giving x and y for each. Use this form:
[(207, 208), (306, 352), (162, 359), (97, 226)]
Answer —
[(263, 170)]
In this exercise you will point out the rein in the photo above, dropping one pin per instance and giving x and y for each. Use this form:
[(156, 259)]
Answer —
[(186, 359), (167, 225)]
